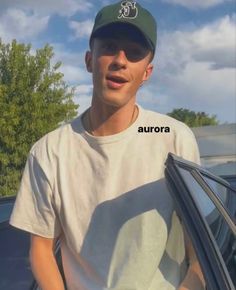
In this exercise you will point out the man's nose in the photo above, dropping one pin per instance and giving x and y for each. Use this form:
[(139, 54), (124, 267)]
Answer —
[(120, 58)]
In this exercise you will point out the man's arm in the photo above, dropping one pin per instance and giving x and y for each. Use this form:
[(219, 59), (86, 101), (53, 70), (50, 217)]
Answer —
[(194, 279), (43, 263)]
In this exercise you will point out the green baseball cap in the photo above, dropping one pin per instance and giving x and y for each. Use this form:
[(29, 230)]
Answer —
[(130, 13)]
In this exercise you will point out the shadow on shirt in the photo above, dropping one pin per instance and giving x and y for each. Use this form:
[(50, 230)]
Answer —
[(127, 236)]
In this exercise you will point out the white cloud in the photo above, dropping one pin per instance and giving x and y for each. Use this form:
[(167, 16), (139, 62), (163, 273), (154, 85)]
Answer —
[(214, 43), (45, 7), (196, 69), (200, 85), (84, 90), (83, 96), (196, 4), (67, 57), (75, 74), (72, 65), (84, 103), (81, 29), (18, 24)]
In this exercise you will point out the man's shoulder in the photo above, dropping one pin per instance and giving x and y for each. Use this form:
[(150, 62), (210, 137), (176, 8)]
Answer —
[(184, 141), (55, 140), (163, 120)]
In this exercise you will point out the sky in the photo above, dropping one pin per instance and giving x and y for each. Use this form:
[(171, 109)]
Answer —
[(195, 61)]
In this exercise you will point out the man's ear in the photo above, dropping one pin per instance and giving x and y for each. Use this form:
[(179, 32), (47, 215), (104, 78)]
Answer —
[(88, 61), (148, 72)]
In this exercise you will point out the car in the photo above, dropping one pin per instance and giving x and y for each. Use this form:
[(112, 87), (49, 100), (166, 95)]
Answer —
[(14, 246), (205, 203), (15, 271)]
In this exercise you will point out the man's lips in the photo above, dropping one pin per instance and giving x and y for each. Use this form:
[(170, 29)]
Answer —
[(116, 81)]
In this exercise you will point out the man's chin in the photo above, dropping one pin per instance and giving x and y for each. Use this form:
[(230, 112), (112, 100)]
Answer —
[(114, 101)]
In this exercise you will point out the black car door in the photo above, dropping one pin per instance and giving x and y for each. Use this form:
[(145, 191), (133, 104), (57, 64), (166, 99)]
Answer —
[(206, 205)]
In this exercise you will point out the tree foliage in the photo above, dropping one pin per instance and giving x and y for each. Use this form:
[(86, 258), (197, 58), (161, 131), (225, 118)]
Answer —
[(34, 99), (193, 119)]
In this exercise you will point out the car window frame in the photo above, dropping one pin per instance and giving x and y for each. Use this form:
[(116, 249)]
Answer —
[(208, 253)]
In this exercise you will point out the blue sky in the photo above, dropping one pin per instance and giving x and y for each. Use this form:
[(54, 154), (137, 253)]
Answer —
[(194, 67)]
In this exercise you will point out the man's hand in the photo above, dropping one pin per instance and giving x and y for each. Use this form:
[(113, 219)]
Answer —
[(43, 263), (194, 279)]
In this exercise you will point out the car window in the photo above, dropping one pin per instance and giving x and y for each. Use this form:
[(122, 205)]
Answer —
[(231, 179), (197, 192), (220, 229), (226, 195)]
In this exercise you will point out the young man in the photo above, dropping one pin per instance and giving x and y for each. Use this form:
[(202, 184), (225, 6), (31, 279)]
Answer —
[(98, 182)]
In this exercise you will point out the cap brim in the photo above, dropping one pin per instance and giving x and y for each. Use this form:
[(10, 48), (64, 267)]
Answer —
[(105, 29)]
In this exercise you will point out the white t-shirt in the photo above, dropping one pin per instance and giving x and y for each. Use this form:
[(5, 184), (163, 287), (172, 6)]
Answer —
[(106, 197)]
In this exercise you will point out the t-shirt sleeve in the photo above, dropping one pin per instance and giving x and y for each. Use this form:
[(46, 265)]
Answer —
[(34, 210), (186, 145)]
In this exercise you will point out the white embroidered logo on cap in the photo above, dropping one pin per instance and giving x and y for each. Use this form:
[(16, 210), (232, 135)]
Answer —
[(128, 10)]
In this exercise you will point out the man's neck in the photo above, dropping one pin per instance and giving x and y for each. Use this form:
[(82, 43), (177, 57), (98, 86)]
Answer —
[(104, 120)]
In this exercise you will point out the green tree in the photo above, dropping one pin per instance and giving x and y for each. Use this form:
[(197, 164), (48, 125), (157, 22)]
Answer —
[(34, 99), (193, 119)]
